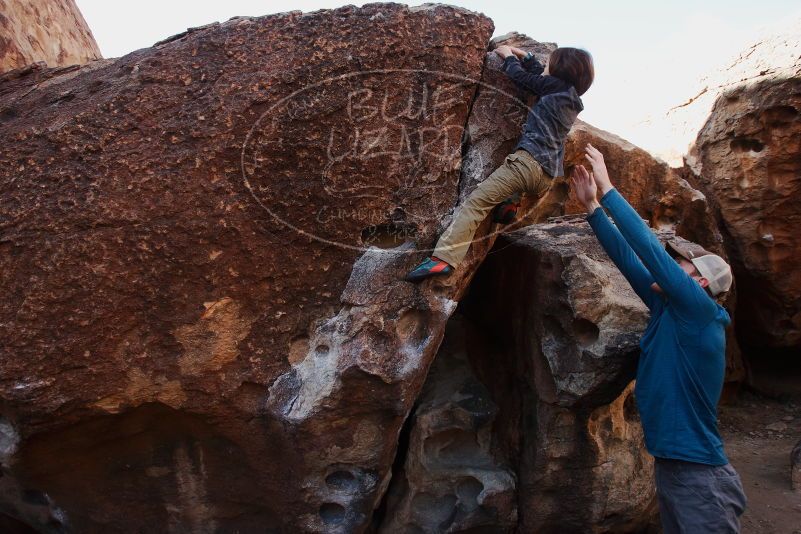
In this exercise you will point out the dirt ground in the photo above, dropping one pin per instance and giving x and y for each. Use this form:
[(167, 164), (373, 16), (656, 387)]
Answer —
[(759, 434)]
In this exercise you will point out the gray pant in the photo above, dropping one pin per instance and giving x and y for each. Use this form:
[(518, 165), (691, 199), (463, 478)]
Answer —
[(698, 498)]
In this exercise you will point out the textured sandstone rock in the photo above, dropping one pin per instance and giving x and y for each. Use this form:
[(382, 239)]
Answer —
[(795, 467), (451, 480), (197, 332), (773, 53), (565, 328), (553, 332), (51, 31), (657, 192), (747, 157)]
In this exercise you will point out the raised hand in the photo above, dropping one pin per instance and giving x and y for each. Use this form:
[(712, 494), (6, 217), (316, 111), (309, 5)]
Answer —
[(599, 172), (584, 187)]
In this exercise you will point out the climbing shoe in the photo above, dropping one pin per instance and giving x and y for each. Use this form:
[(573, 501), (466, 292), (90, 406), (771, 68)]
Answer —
[(504, 213), (429, 267)]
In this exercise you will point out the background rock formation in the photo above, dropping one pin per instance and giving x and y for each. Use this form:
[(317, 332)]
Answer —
[(51, 31), (747, 158), (770, 54)]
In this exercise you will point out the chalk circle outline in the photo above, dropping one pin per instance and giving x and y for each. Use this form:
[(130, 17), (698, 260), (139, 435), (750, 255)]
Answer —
[(256, 124)]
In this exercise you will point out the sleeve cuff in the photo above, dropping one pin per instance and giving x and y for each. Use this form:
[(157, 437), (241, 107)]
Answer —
[(508, 60), (597, 212), (608, 196)]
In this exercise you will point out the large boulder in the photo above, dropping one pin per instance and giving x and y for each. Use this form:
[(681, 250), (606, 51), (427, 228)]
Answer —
[(530, 400), (562, 328), (747, 157), (49, 31), (201, 329)]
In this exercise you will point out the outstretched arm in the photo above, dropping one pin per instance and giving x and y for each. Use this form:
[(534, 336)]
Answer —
[(687, 296), (611, 239), (536, 83)]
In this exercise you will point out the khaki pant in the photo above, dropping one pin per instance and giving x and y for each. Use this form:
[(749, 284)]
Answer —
[(519, 173)]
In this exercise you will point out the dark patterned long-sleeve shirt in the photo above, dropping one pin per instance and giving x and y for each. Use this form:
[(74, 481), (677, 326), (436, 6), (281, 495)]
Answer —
[(550, 119)]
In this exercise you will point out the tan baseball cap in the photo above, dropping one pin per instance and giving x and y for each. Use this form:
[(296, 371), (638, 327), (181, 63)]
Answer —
[(710, 266)]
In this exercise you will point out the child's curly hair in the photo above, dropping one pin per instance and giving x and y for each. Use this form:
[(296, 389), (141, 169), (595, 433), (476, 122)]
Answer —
[(574, 66)]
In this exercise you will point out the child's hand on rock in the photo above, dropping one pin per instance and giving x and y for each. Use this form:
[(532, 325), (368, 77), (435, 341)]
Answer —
[(519, 52), (504, 51)]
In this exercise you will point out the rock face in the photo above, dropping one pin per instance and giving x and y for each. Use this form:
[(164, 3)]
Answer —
[(51, 31), (565, 328), (656, 191), (772, 53), (795, 467), (748, 158), (452, 479), (194, 320)]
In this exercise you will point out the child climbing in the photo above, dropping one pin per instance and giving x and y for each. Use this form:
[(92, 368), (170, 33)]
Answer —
[(538, 156)]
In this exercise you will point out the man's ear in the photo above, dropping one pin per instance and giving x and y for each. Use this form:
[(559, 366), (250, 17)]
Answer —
[(704, 282)]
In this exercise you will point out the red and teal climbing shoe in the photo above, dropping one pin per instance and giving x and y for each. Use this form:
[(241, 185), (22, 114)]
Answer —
[(430, 267), (505, 212)]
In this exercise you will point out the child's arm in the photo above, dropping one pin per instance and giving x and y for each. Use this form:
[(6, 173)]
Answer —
[(536, 83), (528, 60)]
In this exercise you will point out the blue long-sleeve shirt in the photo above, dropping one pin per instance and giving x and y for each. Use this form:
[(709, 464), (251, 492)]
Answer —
[(550, 119), (682, 361)]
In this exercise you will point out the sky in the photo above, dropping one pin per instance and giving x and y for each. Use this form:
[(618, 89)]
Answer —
[(649, 56)]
